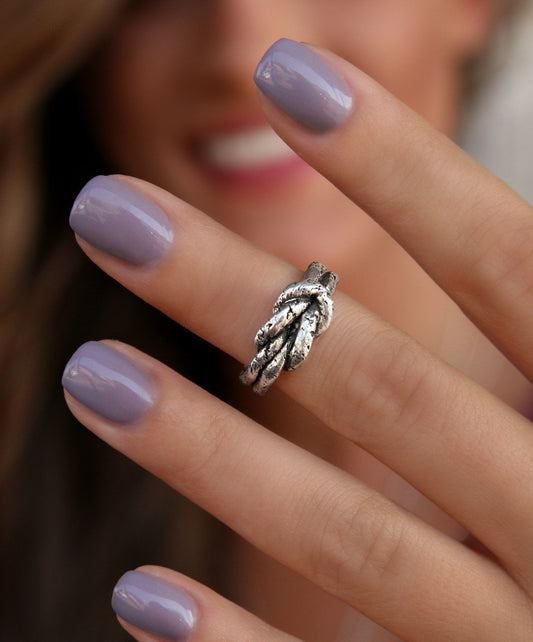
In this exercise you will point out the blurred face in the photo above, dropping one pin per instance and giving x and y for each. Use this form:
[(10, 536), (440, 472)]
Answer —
[(172, 96)]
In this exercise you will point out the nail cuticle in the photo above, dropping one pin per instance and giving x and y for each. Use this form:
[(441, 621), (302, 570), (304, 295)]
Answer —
[(301, 83), (109, 383), (155, 606), (115, 218)]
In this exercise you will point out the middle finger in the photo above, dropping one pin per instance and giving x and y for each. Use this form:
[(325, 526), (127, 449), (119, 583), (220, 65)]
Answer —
[(460, 446)]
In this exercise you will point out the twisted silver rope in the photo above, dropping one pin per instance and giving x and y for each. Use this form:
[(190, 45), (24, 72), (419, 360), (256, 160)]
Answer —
[(302, 312)]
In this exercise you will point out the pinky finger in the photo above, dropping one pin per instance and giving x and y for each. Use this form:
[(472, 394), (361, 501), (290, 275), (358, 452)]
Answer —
[(155, 604)]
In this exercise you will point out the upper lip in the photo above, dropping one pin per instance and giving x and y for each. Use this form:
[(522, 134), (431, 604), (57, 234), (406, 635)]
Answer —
[(224, 123)]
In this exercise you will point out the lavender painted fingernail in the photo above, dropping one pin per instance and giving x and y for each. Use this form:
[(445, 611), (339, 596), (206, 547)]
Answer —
[(115, 218), (108, 382), (154, 606), (303, 85)]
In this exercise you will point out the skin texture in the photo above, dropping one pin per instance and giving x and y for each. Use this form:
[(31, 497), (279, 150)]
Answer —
[(456, 442), (176, 72), (173, 75)]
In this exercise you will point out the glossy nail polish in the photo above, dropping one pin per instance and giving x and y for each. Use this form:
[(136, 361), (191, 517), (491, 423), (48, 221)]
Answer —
[(115, 218), (109, 383), (304, 86), (154, 606)]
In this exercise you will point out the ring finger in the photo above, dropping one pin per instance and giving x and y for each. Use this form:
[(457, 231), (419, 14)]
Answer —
[(374, 385)]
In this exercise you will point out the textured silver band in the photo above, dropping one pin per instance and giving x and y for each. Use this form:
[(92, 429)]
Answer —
[(301, 313)]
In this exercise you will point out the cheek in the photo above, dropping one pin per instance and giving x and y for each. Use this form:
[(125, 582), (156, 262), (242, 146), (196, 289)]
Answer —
[(130, 87), (400, 43)]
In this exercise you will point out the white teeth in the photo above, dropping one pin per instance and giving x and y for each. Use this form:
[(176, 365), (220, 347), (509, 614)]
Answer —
[(248, 149)]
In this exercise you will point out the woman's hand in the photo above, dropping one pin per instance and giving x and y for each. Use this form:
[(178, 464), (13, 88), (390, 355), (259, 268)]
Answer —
[(451, 439)]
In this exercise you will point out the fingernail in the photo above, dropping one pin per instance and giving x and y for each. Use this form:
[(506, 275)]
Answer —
[(108, 382), (116, 219), (303, 85), (154, 606)]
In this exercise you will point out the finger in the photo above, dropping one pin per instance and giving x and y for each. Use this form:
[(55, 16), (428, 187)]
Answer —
[(154, 603), (297, 508), (452, 440), (468, 230)]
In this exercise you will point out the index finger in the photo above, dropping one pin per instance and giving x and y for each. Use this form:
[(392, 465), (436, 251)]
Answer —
[(463, 225)]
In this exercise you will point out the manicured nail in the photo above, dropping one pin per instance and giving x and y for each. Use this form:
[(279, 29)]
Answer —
[(303, 85), (116, 219), (154, 606), (108, 383)]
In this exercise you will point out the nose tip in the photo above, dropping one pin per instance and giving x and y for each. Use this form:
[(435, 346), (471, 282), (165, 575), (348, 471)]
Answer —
[(242, 30)]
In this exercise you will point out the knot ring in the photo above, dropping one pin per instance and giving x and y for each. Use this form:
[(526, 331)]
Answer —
[(302, 312)]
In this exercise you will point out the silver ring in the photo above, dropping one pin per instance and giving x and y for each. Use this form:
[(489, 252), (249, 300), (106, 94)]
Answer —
[(301, 313)]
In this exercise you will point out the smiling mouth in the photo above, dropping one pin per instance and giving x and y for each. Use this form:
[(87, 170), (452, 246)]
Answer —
[(247, 150)]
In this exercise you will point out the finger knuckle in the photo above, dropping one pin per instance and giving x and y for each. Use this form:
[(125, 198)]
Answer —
[(359, 550), (382, 546), (392, 384), (206, 447), (504, 260)]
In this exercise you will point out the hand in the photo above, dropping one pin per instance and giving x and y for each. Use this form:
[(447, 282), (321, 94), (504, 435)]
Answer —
[(451, 439)]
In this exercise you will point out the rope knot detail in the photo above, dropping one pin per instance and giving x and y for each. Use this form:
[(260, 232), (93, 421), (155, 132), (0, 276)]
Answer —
[(302, 312)]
